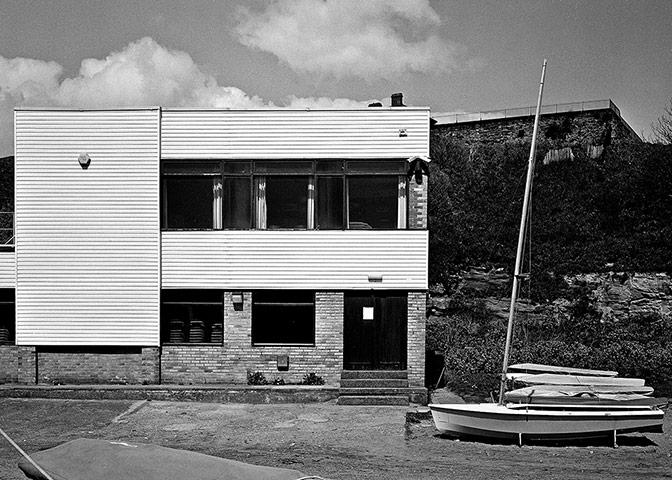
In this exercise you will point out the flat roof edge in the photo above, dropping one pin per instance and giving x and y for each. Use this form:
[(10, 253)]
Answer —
[(216, 109)]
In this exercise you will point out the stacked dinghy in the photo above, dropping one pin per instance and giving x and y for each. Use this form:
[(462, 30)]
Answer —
[(548, 384), (555, 403)]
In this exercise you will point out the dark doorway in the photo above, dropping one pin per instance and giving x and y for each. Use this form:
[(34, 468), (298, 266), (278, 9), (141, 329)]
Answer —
[(374, 335)]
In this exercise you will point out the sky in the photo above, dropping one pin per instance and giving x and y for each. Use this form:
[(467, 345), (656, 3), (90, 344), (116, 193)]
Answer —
[(452, 56)]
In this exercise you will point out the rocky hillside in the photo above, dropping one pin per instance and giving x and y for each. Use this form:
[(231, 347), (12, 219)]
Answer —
[(615, 295)]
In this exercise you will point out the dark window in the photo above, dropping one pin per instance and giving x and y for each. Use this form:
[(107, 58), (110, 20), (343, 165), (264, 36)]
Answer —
[(373, 202), (237, 202), (298, 194), (7, 316), (188, 202), (192, 316), (283, 317), (329, 203)]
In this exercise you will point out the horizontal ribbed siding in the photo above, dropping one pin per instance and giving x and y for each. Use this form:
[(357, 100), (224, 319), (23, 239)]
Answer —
[(7, 270), (87, 241), (365, 133), (315, 260)]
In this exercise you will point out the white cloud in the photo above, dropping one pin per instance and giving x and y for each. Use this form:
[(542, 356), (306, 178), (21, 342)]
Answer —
[(144, 73), (370, 39), (325, 102)]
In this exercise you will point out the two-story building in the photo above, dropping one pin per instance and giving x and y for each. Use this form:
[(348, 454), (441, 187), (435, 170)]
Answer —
[(165, 245)]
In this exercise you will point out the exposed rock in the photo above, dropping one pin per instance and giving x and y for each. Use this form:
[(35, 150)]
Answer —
[(620, 294), (615, 294), (443, 395)]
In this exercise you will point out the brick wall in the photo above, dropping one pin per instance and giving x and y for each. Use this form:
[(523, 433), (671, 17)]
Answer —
[(97, 365), (230, 363), (417, 307), (17, 364), (9, 364), (417, 204)]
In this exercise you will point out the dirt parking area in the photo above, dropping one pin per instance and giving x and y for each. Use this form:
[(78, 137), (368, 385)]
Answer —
[(335, 442)]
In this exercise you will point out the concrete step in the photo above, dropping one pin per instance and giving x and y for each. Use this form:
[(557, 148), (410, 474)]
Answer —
[(374, 391), (373, 400), (370, 374), (374, 383)]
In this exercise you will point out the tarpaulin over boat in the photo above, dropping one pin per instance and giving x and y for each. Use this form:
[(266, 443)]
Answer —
[(85, 459)]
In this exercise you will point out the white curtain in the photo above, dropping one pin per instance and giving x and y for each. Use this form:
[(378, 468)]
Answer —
[(216, 203), (401, 203)]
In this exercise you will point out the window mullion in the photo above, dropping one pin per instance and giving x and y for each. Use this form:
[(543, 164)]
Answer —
[(310, 220)]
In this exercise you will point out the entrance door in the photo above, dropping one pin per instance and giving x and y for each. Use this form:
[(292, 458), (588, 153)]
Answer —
[(374, 334)]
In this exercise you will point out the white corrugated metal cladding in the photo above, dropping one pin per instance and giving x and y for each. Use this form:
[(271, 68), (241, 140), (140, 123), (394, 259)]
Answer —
[(7, 270), (312, 260), (87, 240), (366, 133)]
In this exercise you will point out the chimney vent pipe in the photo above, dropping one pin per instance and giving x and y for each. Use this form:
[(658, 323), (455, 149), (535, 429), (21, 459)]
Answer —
[(398, 100)]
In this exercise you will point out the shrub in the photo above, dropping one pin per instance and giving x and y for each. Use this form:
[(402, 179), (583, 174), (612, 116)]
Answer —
[(256, 378), (312, 379), (639, 346)]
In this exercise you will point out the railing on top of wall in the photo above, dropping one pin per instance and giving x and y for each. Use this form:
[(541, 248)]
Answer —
[(526, 111), (6, 229)]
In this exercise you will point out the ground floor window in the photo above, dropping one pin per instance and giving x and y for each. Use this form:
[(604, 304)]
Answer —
[(192, 316), (7, 316), (283, 317)]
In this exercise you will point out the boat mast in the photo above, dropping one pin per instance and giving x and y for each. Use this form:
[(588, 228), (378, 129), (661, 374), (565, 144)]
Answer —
[(521, 238)]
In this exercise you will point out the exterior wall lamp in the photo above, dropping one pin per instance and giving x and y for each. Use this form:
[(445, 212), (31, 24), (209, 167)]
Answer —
[(417, 167), (237, 298), (84, 160)]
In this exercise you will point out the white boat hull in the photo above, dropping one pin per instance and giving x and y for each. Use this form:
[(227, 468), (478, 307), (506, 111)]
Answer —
[(550, 422)]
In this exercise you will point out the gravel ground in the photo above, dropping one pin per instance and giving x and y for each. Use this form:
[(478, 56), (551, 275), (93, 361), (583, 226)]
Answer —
[(335, 442)]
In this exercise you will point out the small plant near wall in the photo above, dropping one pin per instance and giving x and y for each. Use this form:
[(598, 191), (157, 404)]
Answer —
[(256, 378), (312, 379), (278, 381)]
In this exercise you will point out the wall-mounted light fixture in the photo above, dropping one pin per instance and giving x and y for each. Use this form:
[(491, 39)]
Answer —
[(84, 160), (375, 277), (417, 167), (237, 298), (283, 363)]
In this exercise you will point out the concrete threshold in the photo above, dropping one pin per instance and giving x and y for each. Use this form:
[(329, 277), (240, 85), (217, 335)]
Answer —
[(209, 393)]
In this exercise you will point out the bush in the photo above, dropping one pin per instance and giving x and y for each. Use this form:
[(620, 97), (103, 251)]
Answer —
[(256, 378), (473, 346), (312, 379)]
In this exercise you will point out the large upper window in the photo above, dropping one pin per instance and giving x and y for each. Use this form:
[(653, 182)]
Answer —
[(302, 194), (192, 195), (283, 317)]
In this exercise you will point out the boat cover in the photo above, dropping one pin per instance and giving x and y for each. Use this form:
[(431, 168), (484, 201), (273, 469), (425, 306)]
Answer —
[(85, 459), (578, 396)]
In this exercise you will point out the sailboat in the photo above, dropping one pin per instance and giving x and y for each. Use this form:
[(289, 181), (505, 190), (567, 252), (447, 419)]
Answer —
[(559, 403)]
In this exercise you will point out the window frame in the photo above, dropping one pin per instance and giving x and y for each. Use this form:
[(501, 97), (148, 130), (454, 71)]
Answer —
[(294, 302), (258, 170), (191, 299)]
